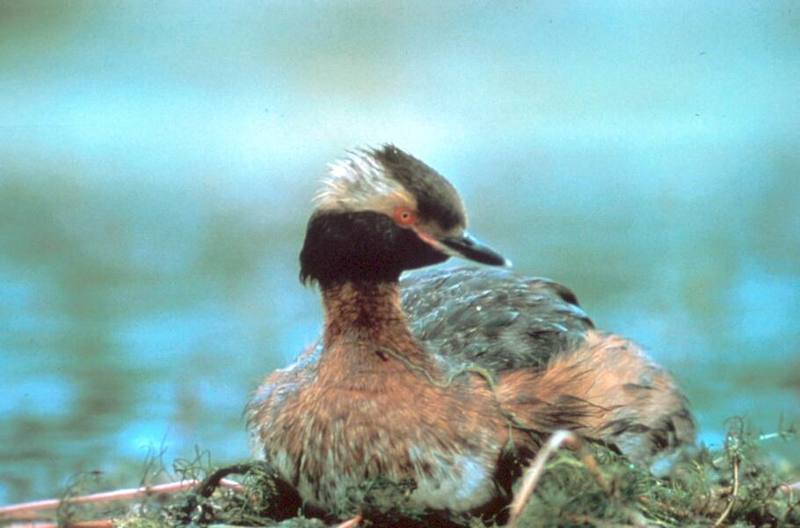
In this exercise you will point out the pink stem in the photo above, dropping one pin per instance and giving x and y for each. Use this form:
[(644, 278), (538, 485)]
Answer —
[(794, 486), (76, 524), (28, 510), (536, 470), (350, 523)]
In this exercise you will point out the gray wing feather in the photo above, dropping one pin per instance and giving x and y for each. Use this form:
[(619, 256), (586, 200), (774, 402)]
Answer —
[(492, 317)]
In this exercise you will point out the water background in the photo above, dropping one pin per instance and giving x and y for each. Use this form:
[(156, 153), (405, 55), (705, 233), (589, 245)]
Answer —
[(157, 161)]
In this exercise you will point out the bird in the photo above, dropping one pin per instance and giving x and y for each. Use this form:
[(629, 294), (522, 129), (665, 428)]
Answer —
[(446, 379)]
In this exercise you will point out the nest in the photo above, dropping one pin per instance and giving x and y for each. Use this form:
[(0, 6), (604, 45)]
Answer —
[(586, 485)]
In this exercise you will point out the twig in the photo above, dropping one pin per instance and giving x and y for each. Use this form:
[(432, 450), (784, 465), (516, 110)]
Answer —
[(536, 470), (30, 510), (216, 478), (734, 493), (206, 488), (351, 523)]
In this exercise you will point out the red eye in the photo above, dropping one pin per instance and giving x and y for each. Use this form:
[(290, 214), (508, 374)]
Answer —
[(404, 216)]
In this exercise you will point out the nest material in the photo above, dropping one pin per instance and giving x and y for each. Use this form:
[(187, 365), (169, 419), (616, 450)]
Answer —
[(738, 485)]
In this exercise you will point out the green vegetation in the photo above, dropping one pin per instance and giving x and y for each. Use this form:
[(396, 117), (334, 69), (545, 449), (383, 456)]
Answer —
[(741, 484)]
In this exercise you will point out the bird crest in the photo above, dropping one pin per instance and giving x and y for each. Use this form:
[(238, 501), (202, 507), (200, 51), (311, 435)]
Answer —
[(359, 182)]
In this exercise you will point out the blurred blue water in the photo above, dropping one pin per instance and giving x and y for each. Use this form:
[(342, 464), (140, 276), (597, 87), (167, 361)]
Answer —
[(156, 168)]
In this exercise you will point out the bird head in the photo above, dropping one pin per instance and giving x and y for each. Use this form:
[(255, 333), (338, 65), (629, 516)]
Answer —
[(382, 211)]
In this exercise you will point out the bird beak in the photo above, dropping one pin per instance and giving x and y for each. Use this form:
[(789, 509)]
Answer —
[(466, 246)]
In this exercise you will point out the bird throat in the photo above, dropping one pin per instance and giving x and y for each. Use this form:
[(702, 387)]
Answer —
[(366, 328)]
